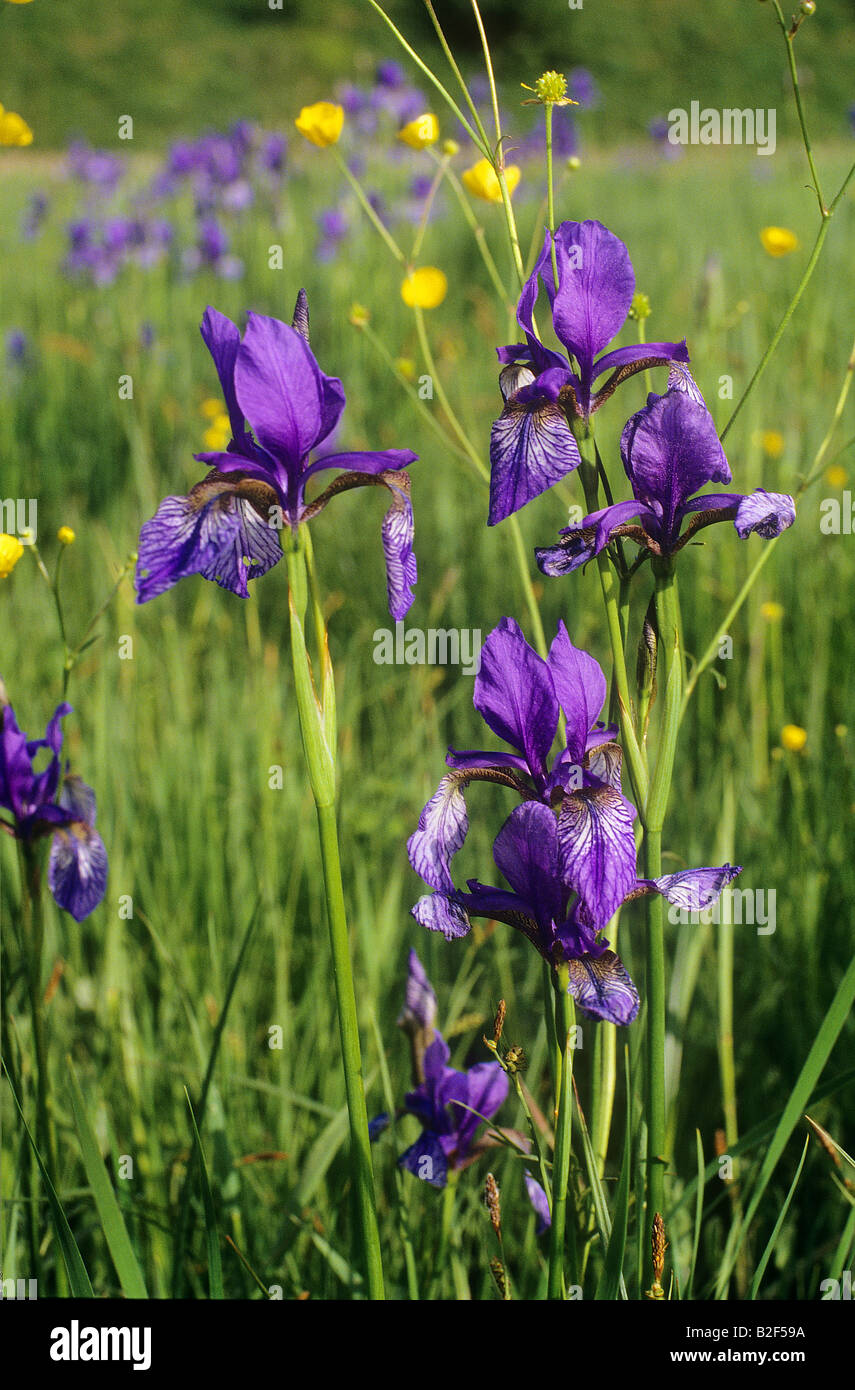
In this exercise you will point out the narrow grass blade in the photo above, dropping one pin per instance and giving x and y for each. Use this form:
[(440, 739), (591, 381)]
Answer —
[(699, 1212), (112, 1222), (799, 1097), (78, 1279), (611, 1278), (773, 1239), (212, 1235)]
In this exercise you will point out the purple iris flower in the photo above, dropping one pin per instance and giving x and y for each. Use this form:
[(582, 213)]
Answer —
[(17, 346), (281, 406), (568, 851), (520, 697), (582, 87), (45, 803), (670, 449), (445, 1102), (532, 444)]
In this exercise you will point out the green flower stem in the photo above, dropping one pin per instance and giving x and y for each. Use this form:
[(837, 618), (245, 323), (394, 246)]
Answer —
[(611, 599), (653, 817), (564, 1022), (479, 139), (317, 727), (479, 235), (794, 77), (484, 473), (550, 192), (497, 157), (368, 209)]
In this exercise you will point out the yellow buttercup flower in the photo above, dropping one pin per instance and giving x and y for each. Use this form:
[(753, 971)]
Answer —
[(424, 288), (421, 132), (482, 181), (793, 738), (773, 612), (772, 443), (322, 123), (216, 439), (211, 408), (11, 551), (14, 129), (836, 476), (778, 241), (66, 536)]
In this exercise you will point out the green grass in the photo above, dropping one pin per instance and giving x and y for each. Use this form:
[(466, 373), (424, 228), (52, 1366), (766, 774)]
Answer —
[(179, 742)]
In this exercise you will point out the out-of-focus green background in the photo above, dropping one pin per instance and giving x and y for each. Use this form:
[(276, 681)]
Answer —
[(173, 65)]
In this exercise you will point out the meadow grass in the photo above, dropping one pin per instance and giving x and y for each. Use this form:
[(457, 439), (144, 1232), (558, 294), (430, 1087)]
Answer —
[(180, 741)]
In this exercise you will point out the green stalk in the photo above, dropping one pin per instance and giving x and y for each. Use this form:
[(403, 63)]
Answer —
[(550, 192), (653, 816), (564, 1022), (317, 727)]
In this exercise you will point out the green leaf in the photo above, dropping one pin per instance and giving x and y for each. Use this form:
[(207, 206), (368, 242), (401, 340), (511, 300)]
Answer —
[(112, 1222), (212, 1235), (773, 1239), (78, 1279), (611, 1277)]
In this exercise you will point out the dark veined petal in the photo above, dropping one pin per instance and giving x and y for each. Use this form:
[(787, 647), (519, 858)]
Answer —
[(540, 1202), (531, 447), (426, 1159), (602, 987), (767, 513), (579, 544), (598, 849), (77, 869), (212, 532), (515, 696), (290, 403), (692, 889), (398, 525), (443, 913), (398, 530), (441, 831), (581, 689)]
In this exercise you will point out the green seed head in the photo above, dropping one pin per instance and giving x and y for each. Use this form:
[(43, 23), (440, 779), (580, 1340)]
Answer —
[(640, 306), (551, 87)]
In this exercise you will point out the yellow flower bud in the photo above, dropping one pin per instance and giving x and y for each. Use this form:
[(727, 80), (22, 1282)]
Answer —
[(771, 611), (573, 163), (11, 551), (66, 536), (359, 316), (793, 738), (482, 181), (322, 123), (406, 367), (424, 288), (778, 241), (836, 476), (450, 148), (421, 132)]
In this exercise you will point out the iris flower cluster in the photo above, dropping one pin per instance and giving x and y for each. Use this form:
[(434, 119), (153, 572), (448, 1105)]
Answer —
[(567, 851), (56, 804), (281, 408)]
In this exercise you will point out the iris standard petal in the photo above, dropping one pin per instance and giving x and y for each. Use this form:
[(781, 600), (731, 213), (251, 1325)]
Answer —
[(528, 853), (222, 339), (670, 449), (596, 284), (486, 1089), (515, 696), (289, 402), (580, 687), (419, 998)]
